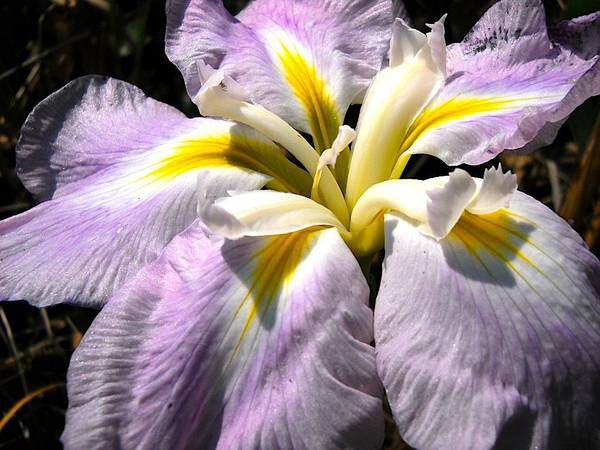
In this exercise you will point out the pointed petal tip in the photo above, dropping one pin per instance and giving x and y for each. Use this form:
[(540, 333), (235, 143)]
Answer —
[(496, 191), (216, 86), (405, 42), (346, 134), (221, 222), (344, 138), (437, 42), (439, 22), (447, 203)]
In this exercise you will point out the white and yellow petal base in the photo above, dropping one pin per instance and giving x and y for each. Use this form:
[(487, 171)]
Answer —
[(433, 206)]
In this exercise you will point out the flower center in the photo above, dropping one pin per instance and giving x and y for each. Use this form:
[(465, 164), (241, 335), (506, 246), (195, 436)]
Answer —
[(395, 99)]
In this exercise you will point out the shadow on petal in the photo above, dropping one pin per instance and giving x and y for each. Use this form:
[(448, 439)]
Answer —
[(269, 272), (495, 241), (517, 432)]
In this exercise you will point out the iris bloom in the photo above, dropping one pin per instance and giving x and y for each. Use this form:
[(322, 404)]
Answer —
[(249, 326)]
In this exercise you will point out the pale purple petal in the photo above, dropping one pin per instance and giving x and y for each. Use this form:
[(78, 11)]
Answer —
[(193, 353), (580, 35), (508, 33), (490, 338), (72, 134), (342, 42), (509, 87), (122, 174)]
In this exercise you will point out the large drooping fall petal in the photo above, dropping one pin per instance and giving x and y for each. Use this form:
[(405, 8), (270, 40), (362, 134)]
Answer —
[(489, 337), (254, 343), (510, 85), (119, 174)]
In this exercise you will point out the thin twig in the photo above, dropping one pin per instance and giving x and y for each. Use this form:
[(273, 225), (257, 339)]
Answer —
[(21, 206), (580, 195), (8, 379), (10, 444), (26, 87), (34, 350), (46, 321), (17, 406), (553, 176), (13, 348)]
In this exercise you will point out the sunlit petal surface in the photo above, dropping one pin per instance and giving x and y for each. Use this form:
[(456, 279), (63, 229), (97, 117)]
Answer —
[(255, 343), (122, 174), (234, 252), (295, 57), (508, 86), (489, 337)]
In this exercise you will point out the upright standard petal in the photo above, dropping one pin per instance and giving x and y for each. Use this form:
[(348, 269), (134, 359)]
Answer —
[(305, 61), (254, 343), (395, 99), (509, 86), (489, 337), (121, 175)]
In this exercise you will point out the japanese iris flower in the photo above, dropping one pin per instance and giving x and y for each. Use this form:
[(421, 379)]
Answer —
[(231, 248)]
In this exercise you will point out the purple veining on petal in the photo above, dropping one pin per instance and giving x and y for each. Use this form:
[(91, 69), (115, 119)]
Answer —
[(489, 338), (89, 150), (508, 55), (160, 366), (204, 30)]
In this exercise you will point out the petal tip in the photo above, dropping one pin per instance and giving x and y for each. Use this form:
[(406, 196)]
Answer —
[(447, 203), (221, 222), (496, 191)]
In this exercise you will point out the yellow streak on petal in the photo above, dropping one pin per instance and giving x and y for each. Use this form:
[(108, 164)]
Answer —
[(309, 88), (275, 266), (464, 108), (500, 234), (228, 151), (503, 235)]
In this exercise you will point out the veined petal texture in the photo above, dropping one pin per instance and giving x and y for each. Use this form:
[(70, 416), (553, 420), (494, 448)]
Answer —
[(254, 343), (489, 337), (305, 61), (510, 85), (121, 175)]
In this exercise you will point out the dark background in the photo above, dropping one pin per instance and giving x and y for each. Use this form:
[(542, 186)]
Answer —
[(46, 43)]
